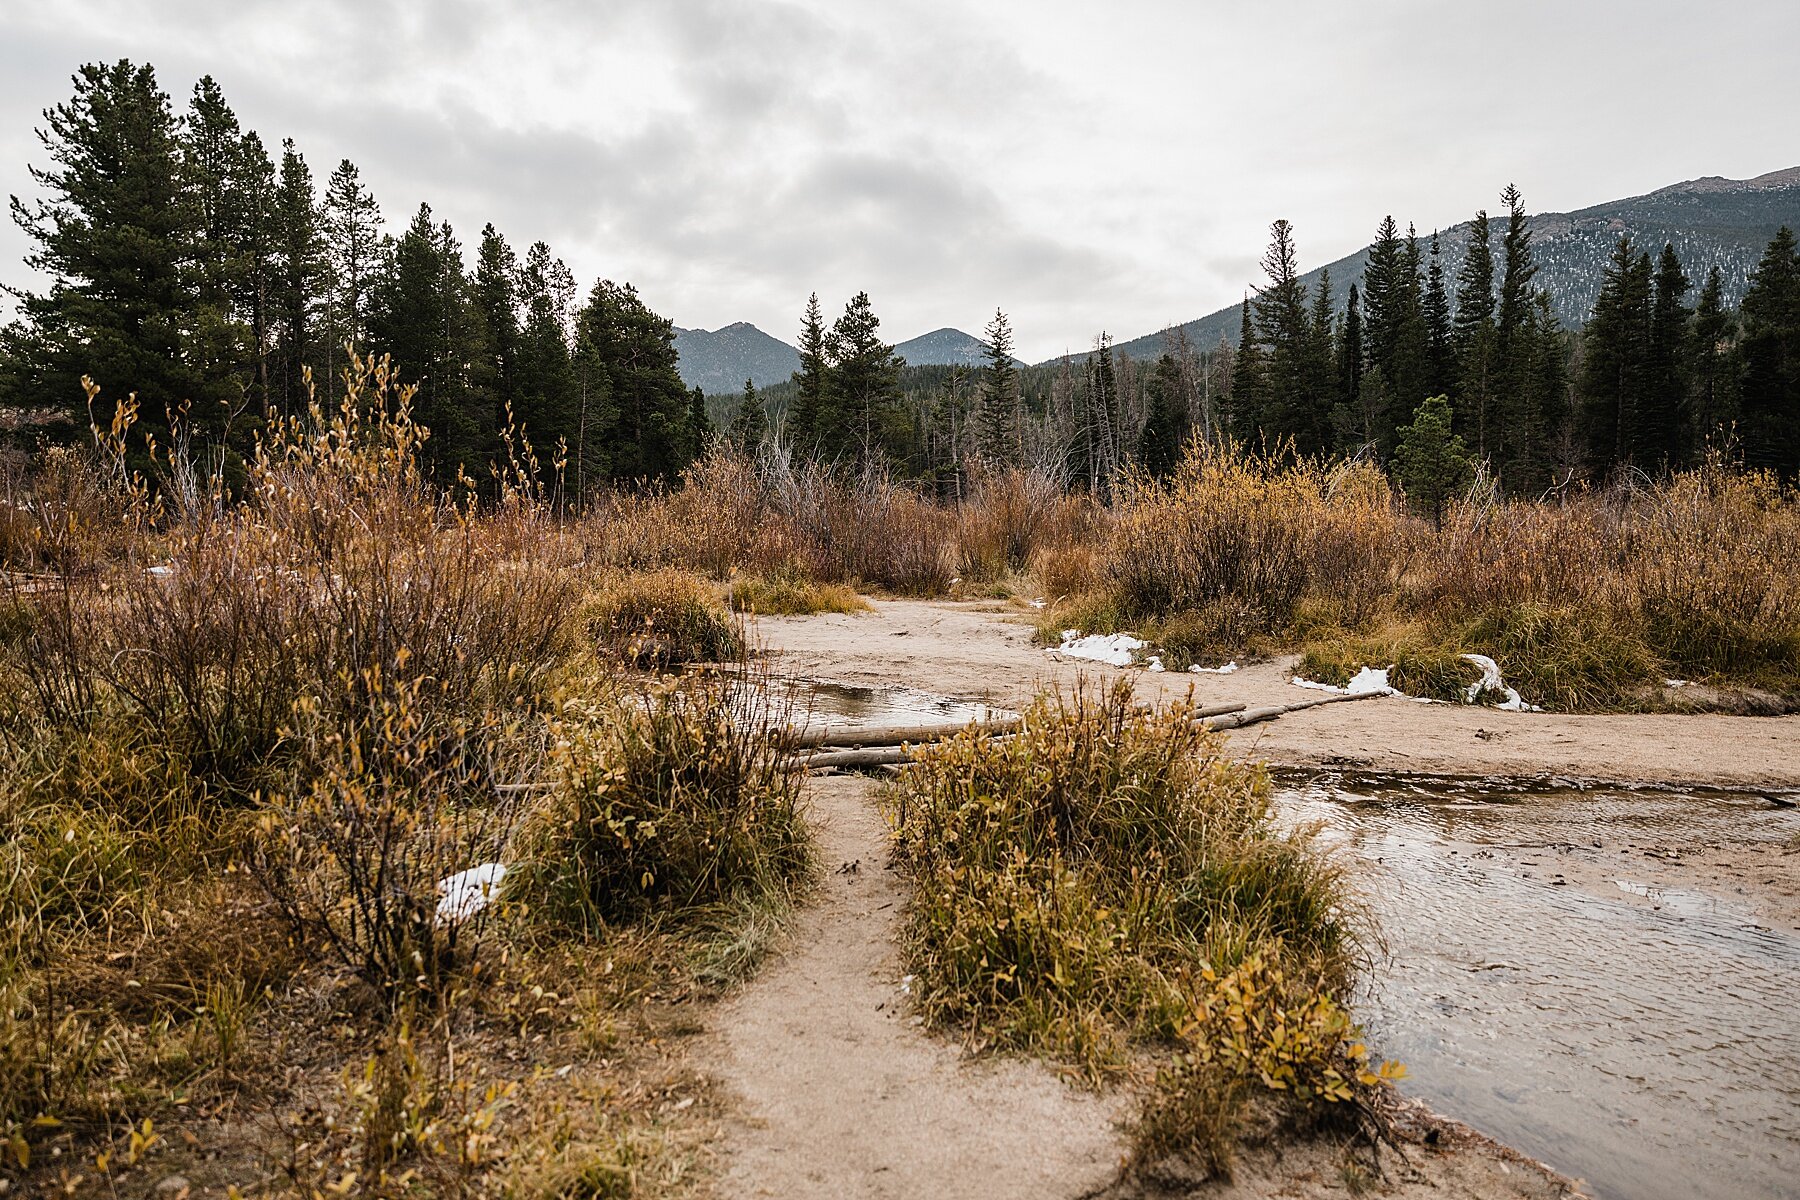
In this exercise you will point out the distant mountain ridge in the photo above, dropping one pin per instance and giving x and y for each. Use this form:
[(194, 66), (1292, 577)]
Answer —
[(1712, 220), (720, 360)]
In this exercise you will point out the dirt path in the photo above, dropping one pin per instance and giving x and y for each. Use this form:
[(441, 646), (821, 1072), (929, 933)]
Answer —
[(983, 651), (841, 1095)]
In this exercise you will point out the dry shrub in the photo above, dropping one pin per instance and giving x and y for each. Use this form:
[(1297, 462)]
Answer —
[(1066, 570), (1011, 515), (675, 802), (1073, 881), (392, 799), (661, 618), (1244, 537), (339, 558), (789, 593)]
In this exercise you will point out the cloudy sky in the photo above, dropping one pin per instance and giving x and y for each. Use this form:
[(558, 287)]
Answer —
[(1083, 166)]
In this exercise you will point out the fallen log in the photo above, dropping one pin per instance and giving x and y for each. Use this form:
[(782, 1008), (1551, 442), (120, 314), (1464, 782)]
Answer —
[(892, 735)]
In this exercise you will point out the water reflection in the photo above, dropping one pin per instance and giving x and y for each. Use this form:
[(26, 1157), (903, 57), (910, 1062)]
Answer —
[(1641, 1037)]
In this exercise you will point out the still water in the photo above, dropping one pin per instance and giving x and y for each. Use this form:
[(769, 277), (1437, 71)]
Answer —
[(1542, 989)]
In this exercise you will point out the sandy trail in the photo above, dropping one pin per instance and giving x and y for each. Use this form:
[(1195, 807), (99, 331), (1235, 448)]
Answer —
[(841, 1095), (985, 652)]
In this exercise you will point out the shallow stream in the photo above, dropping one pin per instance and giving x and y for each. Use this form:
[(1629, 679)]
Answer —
[(1544, 985)]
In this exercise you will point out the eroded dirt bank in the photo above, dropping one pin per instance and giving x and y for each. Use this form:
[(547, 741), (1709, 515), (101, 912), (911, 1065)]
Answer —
[(984, 651)]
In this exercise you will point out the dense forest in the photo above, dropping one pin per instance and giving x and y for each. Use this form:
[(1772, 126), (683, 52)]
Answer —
[(194, 267), (190, 265)]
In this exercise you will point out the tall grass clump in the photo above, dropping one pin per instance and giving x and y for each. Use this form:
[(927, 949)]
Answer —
[(1233, 541), (1108, 878), (676, 802), (789, 593), (662, 618)]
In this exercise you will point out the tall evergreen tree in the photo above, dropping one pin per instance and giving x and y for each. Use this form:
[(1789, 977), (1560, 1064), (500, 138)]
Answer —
[(1616, 358), (1473, 333), (215, 177), (495, 297), (750, 424), (699, 425), (648, 425), (352, 225), (1246, 382), (1712, 397), (1769, 385), (812, 408), (1350, 357), (1513, 440), (865, 382), (298, 282), (554, 402), (1440, 353), (1663, 424), (1290, 408), (1166, 427), (114, 235), (999, 394)]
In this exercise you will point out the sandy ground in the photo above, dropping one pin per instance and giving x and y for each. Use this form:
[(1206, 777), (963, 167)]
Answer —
[(835, 1092), (843, 1096), (985, 651)]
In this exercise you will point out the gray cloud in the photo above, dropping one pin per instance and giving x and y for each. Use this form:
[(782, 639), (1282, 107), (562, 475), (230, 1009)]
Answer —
[(1081, 169)]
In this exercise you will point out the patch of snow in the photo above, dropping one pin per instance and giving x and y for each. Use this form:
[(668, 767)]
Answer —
[(161, 572), (1490, 681), (1227, 669), (462, 895), (1113, 649), (1369, 679), (1038, 603), (1155, 663), (1675, 683)]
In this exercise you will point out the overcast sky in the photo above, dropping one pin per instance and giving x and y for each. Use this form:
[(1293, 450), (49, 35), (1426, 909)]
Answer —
[(1083, 166)]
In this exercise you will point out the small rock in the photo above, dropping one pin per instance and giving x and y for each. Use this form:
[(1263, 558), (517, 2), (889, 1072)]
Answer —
[(174, 1185)]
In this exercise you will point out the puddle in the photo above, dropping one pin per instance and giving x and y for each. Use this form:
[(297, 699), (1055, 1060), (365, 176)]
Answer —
[(816, 703), (1639, 1036)]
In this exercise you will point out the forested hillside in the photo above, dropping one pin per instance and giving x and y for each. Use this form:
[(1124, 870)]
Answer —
[(1711, 222)]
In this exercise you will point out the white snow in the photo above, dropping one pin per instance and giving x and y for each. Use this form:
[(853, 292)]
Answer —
[(466, 893), (1113, 649), (1038, 603), (1155, 663), (1227, 669), (1490, 681), (1675, 682), (1369, 679)]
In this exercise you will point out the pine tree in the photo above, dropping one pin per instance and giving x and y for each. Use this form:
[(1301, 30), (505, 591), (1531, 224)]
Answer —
[(556, 404), (1166, 429), (214, 176), (1661, 433), (1615, 362), (1432, 461), (1769, 385), (1246, 382), (699, 425), (999, 394), (648, 424), (750, 425), (253, 291), (114, 236), (865, 383), (1351, 429), (1546, 394), (495, 298), (812, 407), (1290, 409), (1512, 442), (1712, 396), (298, 281), (1473, 332), (1440, 353), (352, 224)]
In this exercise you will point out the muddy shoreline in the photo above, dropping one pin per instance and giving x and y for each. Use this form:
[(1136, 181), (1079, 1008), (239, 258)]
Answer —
[(986, 652)]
